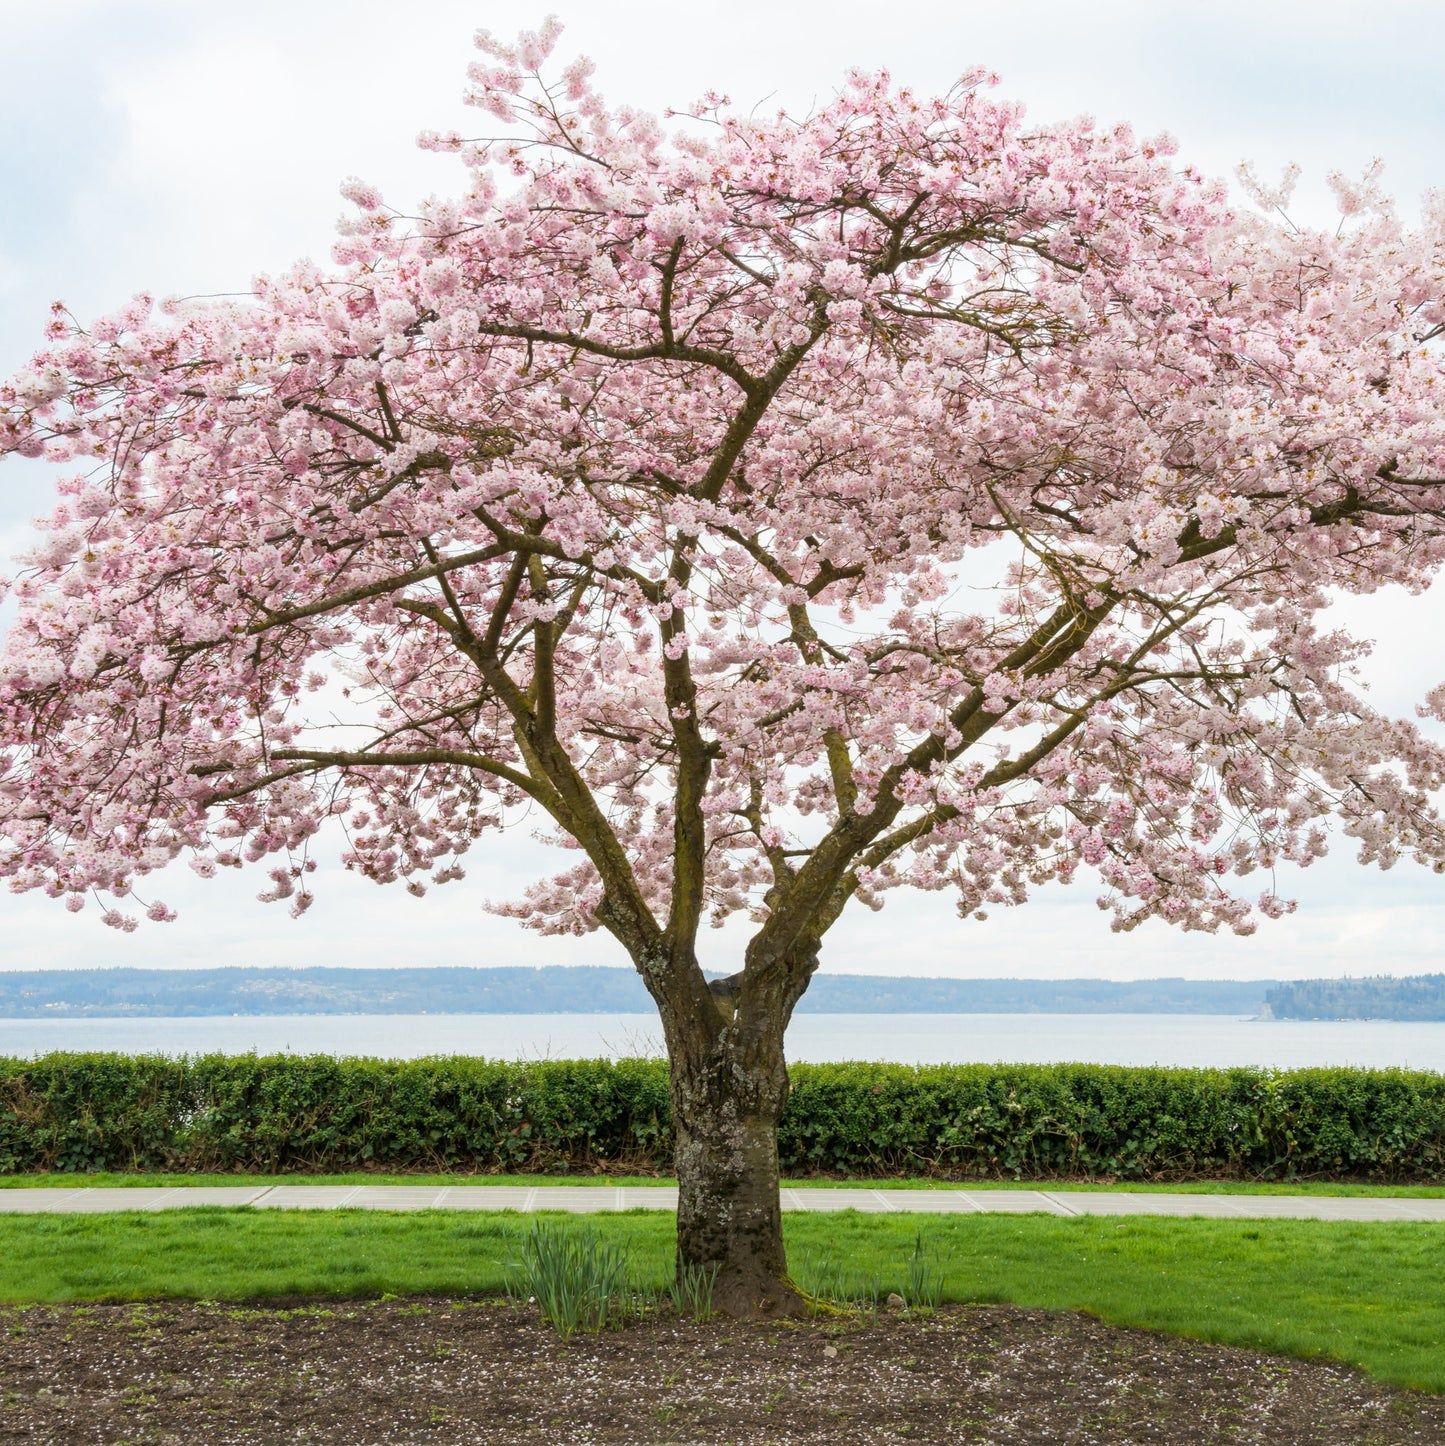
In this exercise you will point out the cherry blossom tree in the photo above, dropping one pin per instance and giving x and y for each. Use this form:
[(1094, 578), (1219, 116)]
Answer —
[(780, 511)]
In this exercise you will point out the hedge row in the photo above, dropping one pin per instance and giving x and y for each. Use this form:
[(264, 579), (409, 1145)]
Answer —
[(78, 1112)]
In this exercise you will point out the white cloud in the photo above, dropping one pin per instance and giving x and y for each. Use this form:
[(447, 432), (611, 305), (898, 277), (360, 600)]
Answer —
[(12, 275)]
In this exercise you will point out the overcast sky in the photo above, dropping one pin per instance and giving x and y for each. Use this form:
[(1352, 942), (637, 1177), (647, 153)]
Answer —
[(180, 148)]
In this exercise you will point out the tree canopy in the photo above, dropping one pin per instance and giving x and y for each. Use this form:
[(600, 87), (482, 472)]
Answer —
[(659, 484)]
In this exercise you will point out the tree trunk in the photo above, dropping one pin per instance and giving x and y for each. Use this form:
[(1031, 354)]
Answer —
[(726, 1102)]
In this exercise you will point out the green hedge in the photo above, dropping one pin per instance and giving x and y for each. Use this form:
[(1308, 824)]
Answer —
[(76, 1112)]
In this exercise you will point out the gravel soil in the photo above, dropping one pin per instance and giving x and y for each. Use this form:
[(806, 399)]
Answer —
[(433, 1370)]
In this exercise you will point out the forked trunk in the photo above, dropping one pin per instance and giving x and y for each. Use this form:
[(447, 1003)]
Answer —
[(725, 1111)]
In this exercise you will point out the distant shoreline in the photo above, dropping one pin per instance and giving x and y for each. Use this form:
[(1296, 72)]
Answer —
[(126, 993), (60, 1017)]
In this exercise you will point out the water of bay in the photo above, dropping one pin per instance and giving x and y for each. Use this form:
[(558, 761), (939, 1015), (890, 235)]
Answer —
[(1133, 1039)]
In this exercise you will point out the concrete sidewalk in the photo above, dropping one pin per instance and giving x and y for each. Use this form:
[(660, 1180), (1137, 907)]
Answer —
[(597, 1199)]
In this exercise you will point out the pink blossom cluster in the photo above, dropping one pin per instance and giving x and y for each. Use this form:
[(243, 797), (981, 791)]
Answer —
[(906, 494)]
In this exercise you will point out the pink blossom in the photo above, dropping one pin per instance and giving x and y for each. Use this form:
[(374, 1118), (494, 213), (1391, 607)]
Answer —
[(361, 193), (957, 499)]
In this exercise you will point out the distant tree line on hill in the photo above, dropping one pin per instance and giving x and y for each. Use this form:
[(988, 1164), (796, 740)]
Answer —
[(1378, 997), (558, 990)]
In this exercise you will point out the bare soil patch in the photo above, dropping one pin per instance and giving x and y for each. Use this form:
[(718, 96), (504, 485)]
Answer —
[(433, 1370)]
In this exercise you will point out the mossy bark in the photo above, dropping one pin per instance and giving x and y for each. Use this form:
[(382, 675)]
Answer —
[(728, 1084), (725, 1111)]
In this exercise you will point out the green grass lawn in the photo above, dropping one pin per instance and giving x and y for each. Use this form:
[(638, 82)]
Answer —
[(141, 1180), (1369, 1294)]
